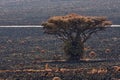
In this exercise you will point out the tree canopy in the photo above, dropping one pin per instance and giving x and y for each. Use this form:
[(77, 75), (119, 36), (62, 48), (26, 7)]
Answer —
[(74, 26)]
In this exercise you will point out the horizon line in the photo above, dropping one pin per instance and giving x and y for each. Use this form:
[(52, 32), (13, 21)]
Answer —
[(38, 26)]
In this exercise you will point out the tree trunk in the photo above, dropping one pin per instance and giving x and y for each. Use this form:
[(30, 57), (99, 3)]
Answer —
[(74, 50)]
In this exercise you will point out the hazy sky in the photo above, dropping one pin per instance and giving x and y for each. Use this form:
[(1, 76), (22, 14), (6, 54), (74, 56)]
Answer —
[(35, 11)]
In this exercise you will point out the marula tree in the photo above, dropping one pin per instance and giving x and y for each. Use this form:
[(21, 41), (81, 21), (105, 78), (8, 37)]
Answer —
[(74, 30)]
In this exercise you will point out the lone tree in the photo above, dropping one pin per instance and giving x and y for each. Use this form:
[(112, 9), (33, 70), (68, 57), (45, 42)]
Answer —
[(74, 30)]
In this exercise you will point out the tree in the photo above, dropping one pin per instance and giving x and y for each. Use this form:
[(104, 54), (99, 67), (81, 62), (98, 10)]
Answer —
[(74, 30)]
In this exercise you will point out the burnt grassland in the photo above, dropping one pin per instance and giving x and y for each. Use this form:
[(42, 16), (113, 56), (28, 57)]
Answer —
[(24, 53)]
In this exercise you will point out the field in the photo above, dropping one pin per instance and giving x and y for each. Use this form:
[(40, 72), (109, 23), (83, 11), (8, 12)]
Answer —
[(29, 54)]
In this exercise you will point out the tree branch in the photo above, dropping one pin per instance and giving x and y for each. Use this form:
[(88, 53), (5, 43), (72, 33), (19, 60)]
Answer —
[(90, 32)]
